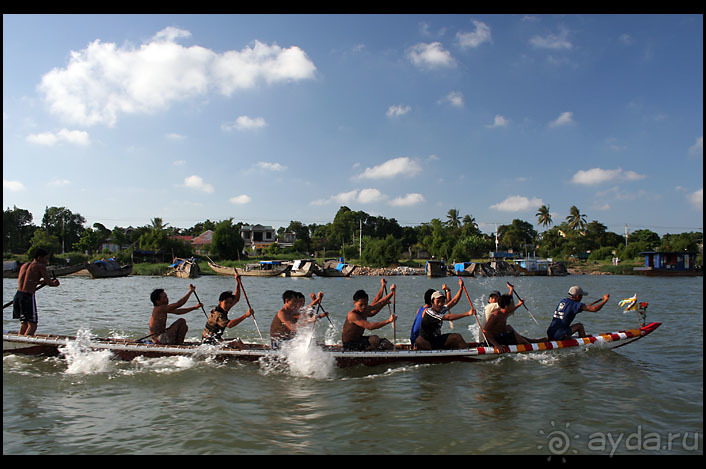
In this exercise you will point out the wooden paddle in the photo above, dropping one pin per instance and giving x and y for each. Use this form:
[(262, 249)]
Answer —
[(480, 328), (242, 287), (523, 304), (394, 328), (202, 309)]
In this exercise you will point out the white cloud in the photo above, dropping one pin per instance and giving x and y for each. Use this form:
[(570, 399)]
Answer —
[(432, 55), (244, 123), (473, 39), (397, 110), (179, 162), (175, 137), (455, 98), (697, 199), (407, 200), (363, 196), (697, 148), (270, 166), (499, 121), (75, 137), (196, 182), (367, 196), (402, 166), (240, 199), (58, 182), (565, 118), (518, 203), (103, 81), (13, 186), (552, 41), (598, 176)]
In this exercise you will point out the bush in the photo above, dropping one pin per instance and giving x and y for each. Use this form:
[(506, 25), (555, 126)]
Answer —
[(602, 254), (382, 252)]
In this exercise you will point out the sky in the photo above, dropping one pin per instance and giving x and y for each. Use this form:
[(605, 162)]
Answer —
[(272, 118)]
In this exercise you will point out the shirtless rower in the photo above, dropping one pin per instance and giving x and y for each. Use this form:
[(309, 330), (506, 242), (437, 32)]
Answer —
[(357, 322), (33, 275), (174, 334)]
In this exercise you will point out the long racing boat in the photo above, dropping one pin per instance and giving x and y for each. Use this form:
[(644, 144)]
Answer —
[(127, 349)]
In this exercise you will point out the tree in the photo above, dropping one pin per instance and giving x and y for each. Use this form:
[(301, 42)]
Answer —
[(64, 225), (227, 242), (517, 234), (17, 230), (42, 239), (576, 220), (453, 219), (381, 252), (543, 216)]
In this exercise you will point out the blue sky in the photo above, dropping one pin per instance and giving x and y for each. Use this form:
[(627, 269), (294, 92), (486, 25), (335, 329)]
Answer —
[(272, 118)]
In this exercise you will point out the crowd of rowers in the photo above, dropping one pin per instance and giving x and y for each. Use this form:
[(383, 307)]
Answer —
[(426, 334), (295, 314)]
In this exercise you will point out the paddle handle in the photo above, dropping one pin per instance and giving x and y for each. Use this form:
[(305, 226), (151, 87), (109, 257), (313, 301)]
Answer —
[(242, 287), (480, 328), (518, 297)]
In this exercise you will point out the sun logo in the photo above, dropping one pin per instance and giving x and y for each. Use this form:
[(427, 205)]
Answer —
[(558, 441)]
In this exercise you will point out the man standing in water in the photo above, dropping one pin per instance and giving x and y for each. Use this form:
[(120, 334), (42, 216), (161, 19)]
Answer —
[(174, 334), (33, 275)]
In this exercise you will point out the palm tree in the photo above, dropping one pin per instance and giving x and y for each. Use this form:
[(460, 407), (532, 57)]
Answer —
[(453, 219), (543, 216), (576, 220)]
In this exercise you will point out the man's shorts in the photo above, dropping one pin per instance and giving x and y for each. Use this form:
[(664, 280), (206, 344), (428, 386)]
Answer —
[(24, 307)]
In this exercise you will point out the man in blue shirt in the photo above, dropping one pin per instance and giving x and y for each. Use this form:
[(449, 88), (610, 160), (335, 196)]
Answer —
[(567, 309)]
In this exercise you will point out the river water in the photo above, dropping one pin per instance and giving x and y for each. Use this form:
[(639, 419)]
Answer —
[(645, 398)]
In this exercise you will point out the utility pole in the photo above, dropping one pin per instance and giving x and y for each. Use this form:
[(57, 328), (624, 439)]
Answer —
[(360, 240), (626, 235)]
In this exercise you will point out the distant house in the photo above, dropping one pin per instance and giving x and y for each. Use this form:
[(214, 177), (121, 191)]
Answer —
[(669, 263), (286, 240), (202, 242), (257, 237)]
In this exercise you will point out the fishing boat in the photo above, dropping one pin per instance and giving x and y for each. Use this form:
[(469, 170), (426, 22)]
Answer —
[(126, 349), (669, 264), (184, 268), (301, 268), (435, 269), (261, 269), (464, 269), (336, 268), (108, 269)]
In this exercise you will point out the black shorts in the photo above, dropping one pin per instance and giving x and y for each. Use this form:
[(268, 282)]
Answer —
[(506, 338), (24, 307), (437, 342), (359, 345)]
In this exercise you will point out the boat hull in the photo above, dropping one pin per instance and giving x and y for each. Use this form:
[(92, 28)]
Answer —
[(124, 349), (230, 271), (98, 272)]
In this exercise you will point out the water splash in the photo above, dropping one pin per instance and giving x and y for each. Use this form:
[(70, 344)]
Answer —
[(301, 357), (82, 360)]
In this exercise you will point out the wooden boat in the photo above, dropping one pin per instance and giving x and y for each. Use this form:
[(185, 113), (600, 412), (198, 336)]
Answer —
[(185, 268), (669, 264), (108, 269), (261, 269), (464, 269), (335, 268), (301, 268), (126, 349), (435, 269), (55, 270)]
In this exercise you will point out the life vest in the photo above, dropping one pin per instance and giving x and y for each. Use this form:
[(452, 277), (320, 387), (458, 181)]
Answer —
[(417, 325)]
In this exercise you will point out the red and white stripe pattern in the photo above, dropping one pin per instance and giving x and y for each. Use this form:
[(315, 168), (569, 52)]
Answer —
[(609, 338)]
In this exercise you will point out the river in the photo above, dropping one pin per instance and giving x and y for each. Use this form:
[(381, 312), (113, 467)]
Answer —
[(645, 398)]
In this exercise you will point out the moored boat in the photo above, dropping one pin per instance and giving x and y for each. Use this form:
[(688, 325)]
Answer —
[(301, 268), (184, 268), (261, 269), (435, 268), (336, 268), (126, 349), (108, 269)]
